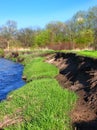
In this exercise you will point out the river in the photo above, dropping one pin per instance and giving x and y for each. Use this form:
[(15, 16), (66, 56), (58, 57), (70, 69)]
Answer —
[(10, 77)]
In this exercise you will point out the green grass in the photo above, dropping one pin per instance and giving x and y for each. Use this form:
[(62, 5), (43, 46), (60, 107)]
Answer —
[(42, 104), (38, 69), (92, 54)]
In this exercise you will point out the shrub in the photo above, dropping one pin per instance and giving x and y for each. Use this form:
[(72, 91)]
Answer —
[(1, 52)]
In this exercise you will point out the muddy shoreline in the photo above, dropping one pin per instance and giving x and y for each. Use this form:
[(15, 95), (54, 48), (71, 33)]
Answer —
[(79, 74)]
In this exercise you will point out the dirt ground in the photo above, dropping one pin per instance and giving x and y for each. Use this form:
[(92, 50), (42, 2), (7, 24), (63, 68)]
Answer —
[(79, 74)]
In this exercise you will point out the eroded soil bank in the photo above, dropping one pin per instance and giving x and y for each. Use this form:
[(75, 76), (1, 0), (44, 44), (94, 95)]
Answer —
[(79, 74)]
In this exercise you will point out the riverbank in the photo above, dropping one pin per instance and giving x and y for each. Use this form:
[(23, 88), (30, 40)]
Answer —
[(41, 104), (79, 74)]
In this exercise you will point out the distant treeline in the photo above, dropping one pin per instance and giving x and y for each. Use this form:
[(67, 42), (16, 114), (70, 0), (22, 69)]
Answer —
[(78, 32)]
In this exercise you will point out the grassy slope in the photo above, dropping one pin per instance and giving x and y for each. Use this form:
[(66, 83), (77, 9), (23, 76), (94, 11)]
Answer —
[(41, 104)]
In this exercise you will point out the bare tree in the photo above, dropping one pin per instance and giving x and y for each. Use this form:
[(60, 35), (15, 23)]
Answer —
[(8, 31)]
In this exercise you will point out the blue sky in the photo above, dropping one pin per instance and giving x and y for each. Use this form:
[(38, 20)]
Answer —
[(40, 12)]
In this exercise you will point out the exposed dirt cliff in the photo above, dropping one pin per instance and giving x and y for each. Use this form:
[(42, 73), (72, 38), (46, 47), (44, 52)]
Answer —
[(79, 74)]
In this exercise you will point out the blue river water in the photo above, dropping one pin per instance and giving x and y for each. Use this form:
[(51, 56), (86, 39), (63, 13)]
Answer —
[(10, 77)]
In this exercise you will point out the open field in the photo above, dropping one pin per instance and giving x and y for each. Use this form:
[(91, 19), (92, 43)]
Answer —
[(86, 53), (92, 54)]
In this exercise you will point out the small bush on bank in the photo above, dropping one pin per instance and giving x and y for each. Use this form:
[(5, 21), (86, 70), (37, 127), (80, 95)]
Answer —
[(1, 52)]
